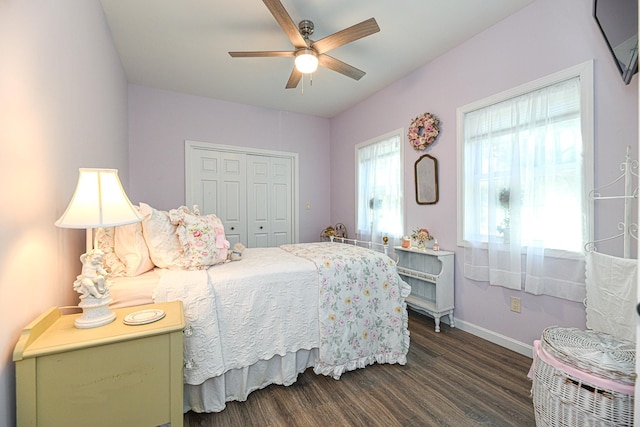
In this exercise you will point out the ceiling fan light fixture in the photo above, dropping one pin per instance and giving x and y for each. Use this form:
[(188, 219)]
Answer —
[(306, 61), (309, 54)]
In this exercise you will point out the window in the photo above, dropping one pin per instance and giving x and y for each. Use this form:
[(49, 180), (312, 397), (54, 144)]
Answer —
[(525, 170), (379, 187)]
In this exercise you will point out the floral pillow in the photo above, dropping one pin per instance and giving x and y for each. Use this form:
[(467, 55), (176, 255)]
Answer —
[(202, 238)]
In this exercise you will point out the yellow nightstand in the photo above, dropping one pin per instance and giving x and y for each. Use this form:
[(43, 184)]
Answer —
[(113, 375)]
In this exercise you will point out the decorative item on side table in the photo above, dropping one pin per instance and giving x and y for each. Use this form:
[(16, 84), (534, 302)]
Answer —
[(98, 201), (421, 236), (339, 230)]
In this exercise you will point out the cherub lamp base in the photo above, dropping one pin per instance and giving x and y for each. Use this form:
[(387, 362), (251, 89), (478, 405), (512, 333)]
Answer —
[(95, 312)]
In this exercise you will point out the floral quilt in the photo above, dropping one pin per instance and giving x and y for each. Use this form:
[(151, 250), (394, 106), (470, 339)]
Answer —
[(362, 311)]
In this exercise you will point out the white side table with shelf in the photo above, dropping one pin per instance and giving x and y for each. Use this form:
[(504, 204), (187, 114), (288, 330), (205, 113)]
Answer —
[(430, 275)]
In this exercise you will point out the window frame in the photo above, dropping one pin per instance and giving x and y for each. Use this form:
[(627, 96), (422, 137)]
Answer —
[(585, 73), (400, 132)]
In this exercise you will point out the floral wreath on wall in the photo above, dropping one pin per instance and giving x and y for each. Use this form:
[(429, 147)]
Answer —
[(423, 131)]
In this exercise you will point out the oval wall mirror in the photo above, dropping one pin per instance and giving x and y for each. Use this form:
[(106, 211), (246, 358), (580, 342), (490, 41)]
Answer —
[(426, 176)]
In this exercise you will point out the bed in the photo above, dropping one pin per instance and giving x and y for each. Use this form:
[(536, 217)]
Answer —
[(276, 312)]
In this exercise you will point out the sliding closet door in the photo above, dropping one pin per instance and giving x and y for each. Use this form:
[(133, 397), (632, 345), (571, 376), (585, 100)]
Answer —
[(218, 187), (252, 191), (269, 201)]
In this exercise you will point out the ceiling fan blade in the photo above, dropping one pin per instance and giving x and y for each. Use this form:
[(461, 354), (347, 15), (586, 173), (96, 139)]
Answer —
[(261, 54), (284, 20), (355, 32), (294, 79), (341, 67)]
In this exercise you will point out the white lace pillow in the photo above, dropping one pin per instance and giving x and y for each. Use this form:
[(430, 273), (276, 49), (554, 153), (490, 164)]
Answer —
[(163, 243), (105, 240), (202, 238), (132, 250)]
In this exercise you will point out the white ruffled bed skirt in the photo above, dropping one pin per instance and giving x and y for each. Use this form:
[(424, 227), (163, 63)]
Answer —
[(237, 384)]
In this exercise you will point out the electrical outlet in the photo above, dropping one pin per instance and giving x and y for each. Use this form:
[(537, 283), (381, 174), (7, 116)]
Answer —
[(515, 304)]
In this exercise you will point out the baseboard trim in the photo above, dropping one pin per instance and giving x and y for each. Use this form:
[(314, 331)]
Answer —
[(494, 337)]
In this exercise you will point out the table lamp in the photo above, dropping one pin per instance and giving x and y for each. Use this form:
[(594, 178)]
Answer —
[(98, 201)]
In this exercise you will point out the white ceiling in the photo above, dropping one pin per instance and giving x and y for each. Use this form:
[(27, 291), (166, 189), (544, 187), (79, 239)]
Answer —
[(183, 45)]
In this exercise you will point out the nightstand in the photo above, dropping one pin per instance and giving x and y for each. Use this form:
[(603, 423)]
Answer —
[(113, 375)]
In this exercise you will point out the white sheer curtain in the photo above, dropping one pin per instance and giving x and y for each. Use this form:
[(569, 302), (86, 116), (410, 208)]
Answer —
[(524, 197), (379, 198)]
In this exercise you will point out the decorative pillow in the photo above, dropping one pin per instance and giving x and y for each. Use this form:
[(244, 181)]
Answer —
[(202, 238), (105, 240), (163, 243), (132, 250)]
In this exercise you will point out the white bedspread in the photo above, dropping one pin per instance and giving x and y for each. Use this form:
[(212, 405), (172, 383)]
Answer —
[(345, 300), (202, 343), (245, 311)]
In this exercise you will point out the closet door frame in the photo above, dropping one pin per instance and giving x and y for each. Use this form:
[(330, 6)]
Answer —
[(189, 158)]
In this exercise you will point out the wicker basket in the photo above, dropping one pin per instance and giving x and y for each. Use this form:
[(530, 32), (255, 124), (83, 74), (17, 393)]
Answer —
[(562, 399)]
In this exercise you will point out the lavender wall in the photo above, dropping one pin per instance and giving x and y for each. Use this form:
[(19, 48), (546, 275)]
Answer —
[(160, 122), (543, 38), (63, 105), (63, 97)]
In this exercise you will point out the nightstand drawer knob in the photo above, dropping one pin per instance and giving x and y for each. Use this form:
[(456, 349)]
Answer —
[(188, 331)]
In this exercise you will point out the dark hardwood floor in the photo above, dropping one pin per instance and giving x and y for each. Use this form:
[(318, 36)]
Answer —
[(451, 378)]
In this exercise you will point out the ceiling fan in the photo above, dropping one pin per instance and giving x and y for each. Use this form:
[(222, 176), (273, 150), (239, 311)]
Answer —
[(309, 54)]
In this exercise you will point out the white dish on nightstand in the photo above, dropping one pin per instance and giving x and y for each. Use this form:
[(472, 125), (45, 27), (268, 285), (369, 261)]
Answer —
[(143, 317)]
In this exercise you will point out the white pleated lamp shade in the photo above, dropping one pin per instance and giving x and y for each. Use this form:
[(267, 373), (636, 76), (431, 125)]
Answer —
[(98, 201)]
